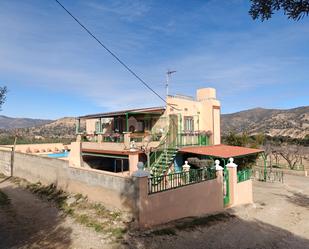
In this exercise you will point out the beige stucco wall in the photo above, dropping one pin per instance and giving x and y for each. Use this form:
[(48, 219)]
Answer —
[(205, 108), (90, 125), (113, 190), (240, 193), (191, 200), (244, 193)]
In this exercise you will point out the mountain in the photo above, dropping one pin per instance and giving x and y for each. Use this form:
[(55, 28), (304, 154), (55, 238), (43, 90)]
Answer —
[(273, 122), (12, 123), (60, 128)]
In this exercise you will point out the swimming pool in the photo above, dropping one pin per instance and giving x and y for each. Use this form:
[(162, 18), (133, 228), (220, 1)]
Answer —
[(59, 155)]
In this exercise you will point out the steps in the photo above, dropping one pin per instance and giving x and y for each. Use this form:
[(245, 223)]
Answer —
[(164, 161)]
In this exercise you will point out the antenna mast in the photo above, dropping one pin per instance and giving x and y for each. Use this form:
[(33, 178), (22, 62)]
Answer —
[(168, 77)]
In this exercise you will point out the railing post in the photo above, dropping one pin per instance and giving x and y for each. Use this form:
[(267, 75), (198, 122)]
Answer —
[(186, 169)]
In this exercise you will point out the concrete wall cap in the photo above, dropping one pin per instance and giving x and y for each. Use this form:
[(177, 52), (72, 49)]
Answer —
[(231, 163), (217, 164), (141, 172)]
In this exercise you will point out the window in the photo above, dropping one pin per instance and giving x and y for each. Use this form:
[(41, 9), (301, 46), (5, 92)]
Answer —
[(189, 123)]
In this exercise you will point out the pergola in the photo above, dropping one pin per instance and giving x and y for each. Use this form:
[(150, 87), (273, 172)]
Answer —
[(224, 152)]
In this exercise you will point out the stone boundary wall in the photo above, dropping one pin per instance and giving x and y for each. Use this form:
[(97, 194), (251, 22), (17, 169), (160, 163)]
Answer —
[(113, 191)]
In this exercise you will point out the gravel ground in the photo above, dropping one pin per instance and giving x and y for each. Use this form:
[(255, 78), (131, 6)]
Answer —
[(278, 219)]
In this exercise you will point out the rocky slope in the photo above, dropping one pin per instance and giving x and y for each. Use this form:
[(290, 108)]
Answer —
[(273, 122), (12, 123)]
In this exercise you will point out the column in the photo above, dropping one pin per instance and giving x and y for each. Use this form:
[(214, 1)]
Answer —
[(232, 168)]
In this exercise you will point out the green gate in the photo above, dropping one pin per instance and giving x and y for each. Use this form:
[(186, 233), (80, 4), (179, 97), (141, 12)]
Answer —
[(226, 187)]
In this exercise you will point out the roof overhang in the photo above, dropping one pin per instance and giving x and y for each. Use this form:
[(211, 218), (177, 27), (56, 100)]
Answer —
[(221, 151), (145, 111)]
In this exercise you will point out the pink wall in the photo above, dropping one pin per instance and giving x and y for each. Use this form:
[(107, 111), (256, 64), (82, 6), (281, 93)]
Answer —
[(191, 200), (244, 193)]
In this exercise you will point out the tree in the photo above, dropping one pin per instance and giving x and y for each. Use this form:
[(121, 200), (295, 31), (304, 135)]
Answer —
[(292, 154), (264, 9), (3, 92)]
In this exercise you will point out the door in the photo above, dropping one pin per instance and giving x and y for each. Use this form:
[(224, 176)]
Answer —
[(173, 129)]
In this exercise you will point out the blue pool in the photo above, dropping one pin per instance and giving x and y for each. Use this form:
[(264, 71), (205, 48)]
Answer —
[(58, 155)]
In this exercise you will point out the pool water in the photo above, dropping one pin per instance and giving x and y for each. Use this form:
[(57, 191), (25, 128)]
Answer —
[(58, 155)]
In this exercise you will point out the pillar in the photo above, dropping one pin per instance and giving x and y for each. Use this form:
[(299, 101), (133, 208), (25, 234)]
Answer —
[(140, 178), (75, 156), (133, 160), (232, 168), (126, 139)]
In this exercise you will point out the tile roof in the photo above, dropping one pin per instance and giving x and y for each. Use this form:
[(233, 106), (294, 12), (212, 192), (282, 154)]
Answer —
[(220, 150)]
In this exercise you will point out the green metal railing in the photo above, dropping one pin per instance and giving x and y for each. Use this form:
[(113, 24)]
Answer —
[(244, 175), (176, 180)]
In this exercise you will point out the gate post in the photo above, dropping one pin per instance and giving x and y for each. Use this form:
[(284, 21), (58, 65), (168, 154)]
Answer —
[(232, 168)]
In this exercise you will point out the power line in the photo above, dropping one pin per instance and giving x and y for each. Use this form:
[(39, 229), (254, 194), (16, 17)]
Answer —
[(112, 53)]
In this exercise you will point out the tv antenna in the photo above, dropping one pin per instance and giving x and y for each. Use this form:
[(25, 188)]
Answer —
[(168, 77)]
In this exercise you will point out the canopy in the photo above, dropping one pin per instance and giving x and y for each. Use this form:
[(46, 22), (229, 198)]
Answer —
[(220, 151)]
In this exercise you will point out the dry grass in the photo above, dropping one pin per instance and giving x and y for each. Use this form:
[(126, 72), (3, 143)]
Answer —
[(93, 215)]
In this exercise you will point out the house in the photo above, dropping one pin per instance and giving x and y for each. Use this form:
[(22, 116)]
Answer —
[(116, 141)]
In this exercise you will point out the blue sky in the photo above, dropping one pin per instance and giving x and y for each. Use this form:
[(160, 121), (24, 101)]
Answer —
[(53, 69)]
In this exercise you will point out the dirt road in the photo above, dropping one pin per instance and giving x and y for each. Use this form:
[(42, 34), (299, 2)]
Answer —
[(29, 222)]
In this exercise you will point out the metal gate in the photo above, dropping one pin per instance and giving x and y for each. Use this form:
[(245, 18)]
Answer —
[(226, 187)]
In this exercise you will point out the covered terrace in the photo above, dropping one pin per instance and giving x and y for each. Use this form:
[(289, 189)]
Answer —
[(112, 125)]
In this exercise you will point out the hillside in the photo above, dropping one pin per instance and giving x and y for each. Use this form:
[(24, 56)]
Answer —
[(273, 122), (61, 128), (13, 123)]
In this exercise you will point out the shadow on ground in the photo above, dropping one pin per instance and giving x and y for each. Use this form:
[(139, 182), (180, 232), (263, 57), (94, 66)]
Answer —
[(216, 231), (27, 223), (298, 199)]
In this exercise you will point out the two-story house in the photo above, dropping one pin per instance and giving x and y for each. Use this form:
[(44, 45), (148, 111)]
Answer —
[(116, 141)]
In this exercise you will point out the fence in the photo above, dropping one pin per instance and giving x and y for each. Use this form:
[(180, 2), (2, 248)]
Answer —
[(176, 180), (268, 175), (276, 165), (244, 175)]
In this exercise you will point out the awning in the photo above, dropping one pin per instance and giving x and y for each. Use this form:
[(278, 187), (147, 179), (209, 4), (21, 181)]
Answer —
[(221, 151), (150, 111)]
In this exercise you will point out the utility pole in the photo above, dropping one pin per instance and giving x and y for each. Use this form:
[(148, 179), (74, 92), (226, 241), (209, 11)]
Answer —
[(168, 76)]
